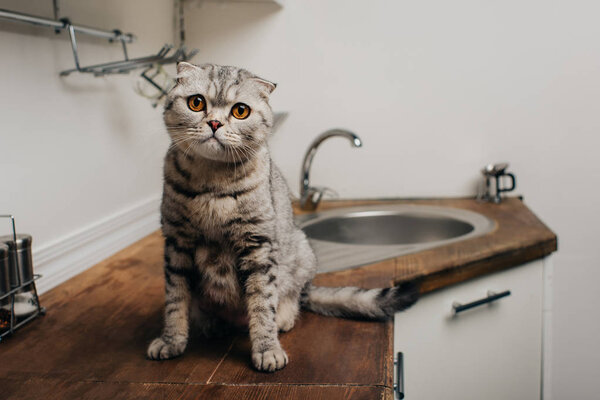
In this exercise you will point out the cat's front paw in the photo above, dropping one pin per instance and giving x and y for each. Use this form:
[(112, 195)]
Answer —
[(163, 349), (270, 360)]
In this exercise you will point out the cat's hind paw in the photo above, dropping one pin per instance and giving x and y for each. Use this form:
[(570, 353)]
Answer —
[(163, 349), (270, 360), (285, 325)]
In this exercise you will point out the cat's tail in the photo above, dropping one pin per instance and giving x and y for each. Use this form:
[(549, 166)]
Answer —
[(354, 302)]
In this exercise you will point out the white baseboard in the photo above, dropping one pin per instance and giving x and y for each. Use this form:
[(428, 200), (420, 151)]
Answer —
[(78, 251)]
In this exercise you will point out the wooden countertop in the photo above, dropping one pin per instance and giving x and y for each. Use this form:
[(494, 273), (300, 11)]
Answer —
[(92, 342)]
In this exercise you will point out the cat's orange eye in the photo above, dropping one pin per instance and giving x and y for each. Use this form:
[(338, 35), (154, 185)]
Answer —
[(240, 111), (196, 103)]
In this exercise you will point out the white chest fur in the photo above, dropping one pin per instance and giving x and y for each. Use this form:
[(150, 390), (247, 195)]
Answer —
[(209, 213)]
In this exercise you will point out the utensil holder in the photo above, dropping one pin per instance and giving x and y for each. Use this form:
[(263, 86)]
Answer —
[(15, 277)]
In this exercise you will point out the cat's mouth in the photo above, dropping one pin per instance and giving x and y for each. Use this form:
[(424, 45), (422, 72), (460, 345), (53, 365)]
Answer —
[(213, 139), (211, 147)]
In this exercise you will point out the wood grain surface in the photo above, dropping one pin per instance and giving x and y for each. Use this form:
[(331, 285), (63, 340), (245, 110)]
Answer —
[(37, 389), (91, 344)]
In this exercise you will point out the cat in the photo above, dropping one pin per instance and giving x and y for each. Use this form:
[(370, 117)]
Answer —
[(233, 255)]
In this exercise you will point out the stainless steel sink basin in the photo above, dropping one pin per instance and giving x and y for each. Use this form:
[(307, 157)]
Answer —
[(349, 237)]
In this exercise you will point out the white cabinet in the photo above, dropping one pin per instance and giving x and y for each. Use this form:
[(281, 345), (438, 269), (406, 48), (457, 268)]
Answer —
[(493, 351)]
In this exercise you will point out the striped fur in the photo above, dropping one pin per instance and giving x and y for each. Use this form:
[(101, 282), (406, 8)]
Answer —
[(354, 302), (233, 256)]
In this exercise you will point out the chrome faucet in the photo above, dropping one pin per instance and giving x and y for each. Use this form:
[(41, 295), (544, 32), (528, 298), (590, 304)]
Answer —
[(310, 196)]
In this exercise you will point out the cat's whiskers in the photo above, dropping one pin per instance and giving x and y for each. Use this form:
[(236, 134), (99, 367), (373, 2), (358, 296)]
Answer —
[(240, 155), (193, 142), (245, 155), (175, 142), (248, 151), (230, 150)]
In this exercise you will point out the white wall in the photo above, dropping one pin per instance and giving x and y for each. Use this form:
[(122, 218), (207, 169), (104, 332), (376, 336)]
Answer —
[(437, 89), (79, 154)]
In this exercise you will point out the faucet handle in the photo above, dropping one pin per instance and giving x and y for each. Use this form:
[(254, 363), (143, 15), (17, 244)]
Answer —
[(326, 191), (313, 196)]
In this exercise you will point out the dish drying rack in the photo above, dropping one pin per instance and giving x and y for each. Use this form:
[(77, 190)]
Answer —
[(151, 64), (13, 324)]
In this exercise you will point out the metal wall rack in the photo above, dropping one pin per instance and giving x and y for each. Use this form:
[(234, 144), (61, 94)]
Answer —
[(13, 324), (166, 55)]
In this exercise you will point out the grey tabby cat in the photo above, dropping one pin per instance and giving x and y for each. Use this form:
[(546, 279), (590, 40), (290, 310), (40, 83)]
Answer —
[(233, 255)]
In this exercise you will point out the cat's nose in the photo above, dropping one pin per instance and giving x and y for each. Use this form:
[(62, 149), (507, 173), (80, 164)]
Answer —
[(214, 125)]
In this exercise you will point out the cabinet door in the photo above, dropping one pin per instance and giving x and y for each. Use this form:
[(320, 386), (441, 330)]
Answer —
[(489, 352)]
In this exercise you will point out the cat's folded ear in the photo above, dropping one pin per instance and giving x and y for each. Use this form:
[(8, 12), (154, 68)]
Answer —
[(264, 84), (183, 67)]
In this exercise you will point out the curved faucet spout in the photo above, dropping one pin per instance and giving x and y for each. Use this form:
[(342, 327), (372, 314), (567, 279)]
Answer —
[(310, 196)]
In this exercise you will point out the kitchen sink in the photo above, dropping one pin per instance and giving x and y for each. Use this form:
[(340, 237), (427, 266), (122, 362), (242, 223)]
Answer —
[(349, 237)]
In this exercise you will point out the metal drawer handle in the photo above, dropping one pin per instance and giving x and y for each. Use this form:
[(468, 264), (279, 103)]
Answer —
[(399, 385), (491, 296)]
